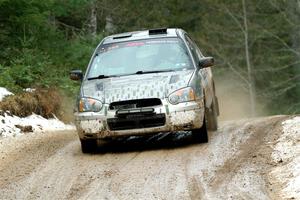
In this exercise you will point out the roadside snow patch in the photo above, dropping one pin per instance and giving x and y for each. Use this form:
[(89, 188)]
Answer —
[(287, 154), (29, 89), (10, 124), (4, 92)]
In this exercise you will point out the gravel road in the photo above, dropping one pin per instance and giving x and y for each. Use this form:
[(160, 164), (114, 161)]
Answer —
[(235, 164)]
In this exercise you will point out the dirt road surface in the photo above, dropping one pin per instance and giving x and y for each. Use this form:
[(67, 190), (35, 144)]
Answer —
[(235, 164)]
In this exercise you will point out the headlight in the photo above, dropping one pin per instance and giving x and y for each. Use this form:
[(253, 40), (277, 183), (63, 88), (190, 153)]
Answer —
[(89, 105), (182, 95)]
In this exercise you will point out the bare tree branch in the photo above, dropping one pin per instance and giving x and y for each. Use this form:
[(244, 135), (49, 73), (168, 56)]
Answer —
[(281, 41), (235, 19)]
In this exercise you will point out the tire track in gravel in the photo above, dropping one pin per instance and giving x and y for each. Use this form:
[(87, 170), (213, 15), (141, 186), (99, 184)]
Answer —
[(258, 132), (21, 156)]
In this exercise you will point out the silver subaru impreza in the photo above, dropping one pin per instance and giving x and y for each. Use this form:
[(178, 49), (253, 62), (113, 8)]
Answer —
[(145, 82)]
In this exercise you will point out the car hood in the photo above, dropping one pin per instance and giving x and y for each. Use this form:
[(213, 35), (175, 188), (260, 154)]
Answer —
[(140, 86)]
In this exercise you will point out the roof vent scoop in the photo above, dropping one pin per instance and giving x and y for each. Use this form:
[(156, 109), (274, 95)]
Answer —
[(158, 31), (122, 36)]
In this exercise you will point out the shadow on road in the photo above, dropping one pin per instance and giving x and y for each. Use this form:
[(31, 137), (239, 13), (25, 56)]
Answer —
[(141, 143)]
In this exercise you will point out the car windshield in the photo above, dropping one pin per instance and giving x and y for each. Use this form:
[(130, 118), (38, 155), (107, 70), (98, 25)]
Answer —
[(124, 58)]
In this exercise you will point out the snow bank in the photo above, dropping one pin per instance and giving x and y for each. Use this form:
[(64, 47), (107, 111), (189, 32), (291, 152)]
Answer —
[(11, 125), (287, 154), (4, 92)]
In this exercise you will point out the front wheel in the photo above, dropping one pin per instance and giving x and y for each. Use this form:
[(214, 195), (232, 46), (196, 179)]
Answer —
[(88, 145), (200, 135), (212, 114)]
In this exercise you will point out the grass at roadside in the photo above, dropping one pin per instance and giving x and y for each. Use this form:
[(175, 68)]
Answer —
[(44, 102)]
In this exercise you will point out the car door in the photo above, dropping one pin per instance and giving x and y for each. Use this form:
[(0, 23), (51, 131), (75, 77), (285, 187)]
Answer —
[(208, 76), (204, 73)]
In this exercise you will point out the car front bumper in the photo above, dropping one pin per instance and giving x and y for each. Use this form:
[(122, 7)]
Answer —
[(183, 116)]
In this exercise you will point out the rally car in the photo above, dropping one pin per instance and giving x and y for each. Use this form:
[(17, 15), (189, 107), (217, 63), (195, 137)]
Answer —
[(145, 82)]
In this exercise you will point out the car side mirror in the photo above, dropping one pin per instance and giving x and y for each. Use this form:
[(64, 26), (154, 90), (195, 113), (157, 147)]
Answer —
[(206, 62), (76, 75)]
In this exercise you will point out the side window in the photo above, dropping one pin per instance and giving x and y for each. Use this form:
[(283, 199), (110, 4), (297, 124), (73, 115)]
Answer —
[(198, 52), (192, 48)]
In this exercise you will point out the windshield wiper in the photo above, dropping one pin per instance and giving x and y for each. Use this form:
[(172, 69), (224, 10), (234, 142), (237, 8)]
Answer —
[(138, 72), (154, 71), (101, 77)]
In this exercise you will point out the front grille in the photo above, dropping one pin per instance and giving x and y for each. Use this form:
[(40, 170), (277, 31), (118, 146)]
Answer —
[(136, 103), (138, 120)]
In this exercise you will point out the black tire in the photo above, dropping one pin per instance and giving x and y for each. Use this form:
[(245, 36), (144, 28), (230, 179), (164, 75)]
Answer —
[(200, 135), (212, 116), (217, 106), (88, 145), (103, 145)]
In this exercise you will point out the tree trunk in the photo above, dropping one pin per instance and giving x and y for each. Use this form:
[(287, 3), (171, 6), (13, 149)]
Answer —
[(248, 63), (93, 19), (109, 26), (294, 10)]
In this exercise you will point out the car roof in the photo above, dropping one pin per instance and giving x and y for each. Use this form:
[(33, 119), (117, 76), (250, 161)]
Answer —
[(145, 34)]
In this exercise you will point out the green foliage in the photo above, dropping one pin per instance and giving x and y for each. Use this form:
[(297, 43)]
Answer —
[(25, 70), (37, 49)]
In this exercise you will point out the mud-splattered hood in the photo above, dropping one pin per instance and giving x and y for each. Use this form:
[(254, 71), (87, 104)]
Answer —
[(157, 85)]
